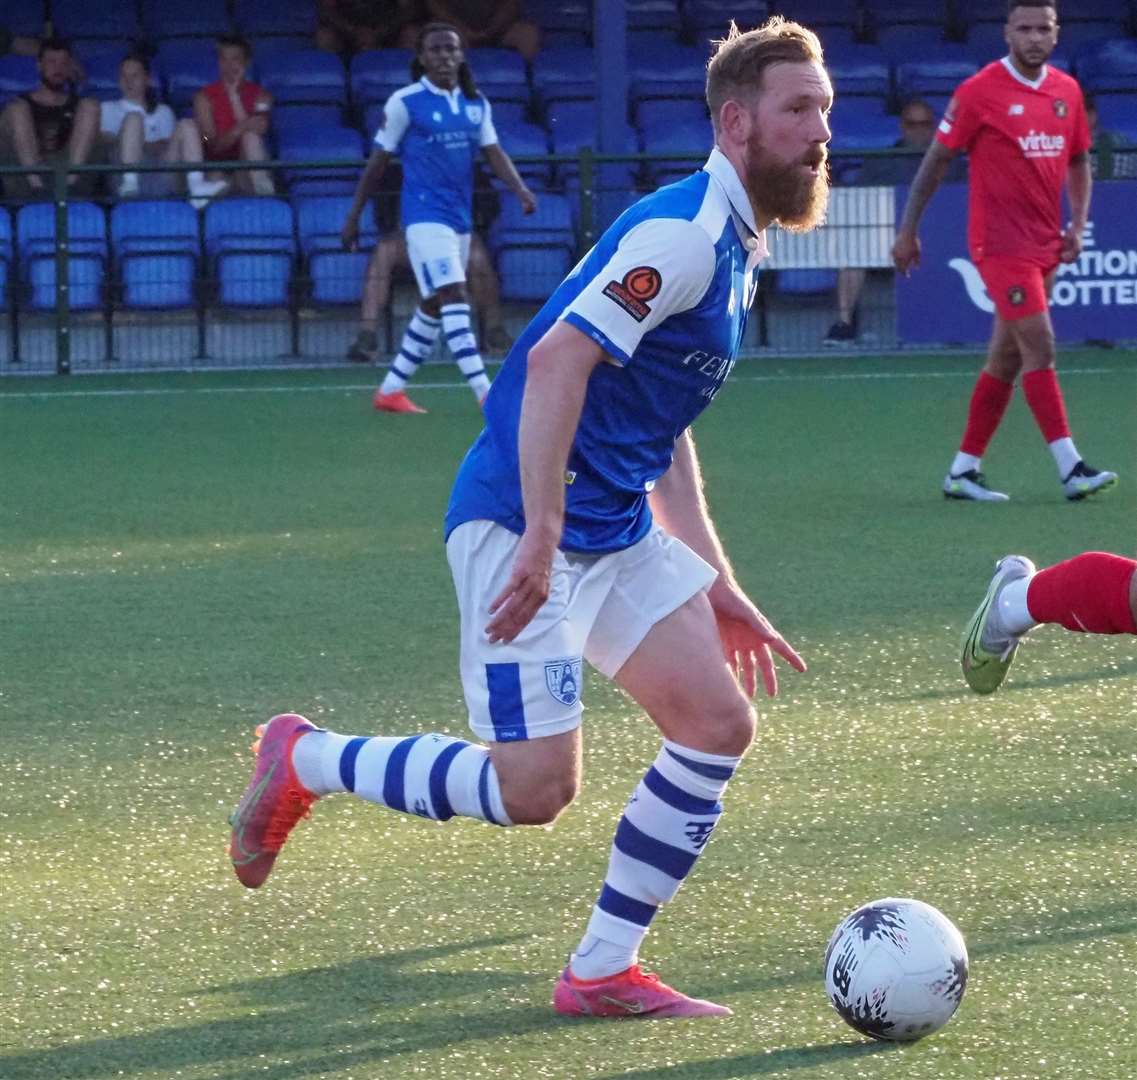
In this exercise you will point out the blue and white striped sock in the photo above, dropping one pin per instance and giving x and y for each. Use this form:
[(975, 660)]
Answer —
[(433, 776), (418, 339), (464, 347), (665, 826)]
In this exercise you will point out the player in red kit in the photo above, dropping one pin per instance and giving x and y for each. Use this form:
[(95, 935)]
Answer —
[(1023, 126)]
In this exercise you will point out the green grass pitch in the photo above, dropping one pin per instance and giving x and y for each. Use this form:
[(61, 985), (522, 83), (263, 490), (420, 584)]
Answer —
[(183, 555)]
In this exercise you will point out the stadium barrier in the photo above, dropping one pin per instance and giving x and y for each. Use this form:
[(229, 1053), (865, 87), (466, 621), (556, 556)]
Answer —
[(101, 284)]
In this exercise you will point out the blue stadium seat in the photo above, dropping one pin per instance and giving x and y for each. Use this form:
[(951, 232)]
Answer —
[(861, 123), (156, 250), (500, 75), (676, 127), (508, 113), (291, 123), (526, 140), (6, 255), (265, 18), (310, 75), (322, 144), (676, 71), (201, 18), (863, 69), (377, 73), (906, 41), (806, 282), (101, 60), (534, 253), (653, 16), (813, 13), (17, 74), (562, 22), (1118, 113), (1110, 67), (186, 66), (335, 276), (572, 125), (106, 19), (251, 248), (938, 73), (565, 73), (35, 234), (710, 18), (272, 44), (25, 17)]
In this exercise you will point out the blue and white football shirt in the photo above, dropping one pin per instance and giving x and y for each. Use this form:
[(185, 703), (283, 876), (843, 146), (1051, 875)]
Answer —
[(666, 292), (437, 135)]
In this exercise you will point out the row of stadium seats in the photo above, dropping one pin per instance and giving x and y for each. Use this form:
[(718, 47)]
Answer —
[(562, 21), (251, 253)]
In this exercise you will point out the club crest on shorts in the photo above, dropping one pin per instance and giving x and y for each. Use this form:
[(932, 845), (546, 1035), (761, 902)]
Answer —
[(1017, 295), (562, 679)]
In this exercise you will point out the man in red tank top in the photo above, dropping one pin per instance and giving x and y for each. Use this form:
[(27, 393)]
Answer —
[(1023, 126), (233, 115)]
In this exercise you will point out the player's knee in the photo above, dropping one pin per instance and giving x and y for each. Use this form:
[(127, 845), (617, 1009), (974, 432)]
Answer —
[(539, 804), (728, 729)]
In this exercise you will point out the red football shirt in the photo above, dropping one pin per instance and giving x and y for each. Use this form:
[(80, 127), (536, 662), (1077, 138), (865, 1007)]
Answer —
[(1019, 136)]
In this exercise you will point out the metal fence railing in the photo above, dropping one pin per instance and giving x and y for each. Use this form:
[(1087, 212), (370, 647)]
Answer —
[(99, 283)]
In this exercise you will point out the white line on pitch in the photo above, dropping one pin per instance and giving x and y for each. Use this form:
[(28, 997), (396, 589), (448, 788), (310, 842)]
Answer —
[(331, 388)]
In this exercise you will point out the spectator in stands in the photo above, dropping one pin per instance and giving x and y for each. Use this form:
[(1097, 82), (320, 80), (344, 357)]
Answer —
[(436, 125), (15, 44), (1123, 165), (49, 125), (233, 115), (917, 126), (485, 23), (350, 26), (143, 129)]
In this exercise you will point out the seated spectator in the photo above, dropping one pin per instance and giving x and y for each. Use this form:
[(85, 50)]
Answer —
[(15, 44), (351, 26), (232, 115), (483, 23), (142, 129), (1123, 154), (917, 128), (50, 125)]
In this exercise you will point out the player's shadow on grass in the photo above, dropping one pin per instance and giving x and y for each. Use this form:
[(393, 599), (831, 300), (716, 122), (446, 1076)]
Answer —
[(761, 1062), (1015, 683), (323, 1020)]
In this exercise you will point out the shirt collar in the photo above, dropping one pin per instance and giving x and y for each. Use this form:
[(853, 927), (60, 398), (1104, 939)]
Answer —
[(1019, 77), (723, 171), (450, 95)]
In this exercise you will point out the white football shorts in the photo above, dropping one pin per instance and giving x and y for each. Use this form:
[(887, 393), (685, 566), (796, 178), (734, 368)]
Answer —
[(600, 608), (438, 255)]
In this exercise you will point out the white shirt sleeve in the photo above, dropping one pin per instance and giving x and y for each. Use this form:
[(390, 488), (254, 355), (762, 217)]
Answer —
[(662, 266), (111, 116), (396, 120), (487, 136)]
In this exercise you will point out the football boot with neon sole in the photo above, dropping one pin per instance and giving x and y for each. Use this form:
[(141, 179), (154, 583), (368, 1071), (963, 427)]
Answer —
[(971, 485), (987, 652), (1084, 481), (396, 402), (272, 804), (628, 994)]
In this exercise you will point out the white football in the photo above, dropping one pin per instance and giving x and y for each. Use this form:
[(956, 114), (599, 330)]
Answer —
[(896, 969)]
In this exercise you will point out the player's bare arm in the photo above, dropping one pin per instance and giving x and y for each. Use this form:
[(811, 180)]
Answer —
[(559, 367), (906, 249), (748, 638), (504, 169), (376, 166), (1079, 186)]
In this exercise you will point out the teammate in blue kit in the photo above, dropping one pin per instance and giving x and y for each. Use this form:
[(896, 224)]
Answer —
[(577, 530), (436, 126)]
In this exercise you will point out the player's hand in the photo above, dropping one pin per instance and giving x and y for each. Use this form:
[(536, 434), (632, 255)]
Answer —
[(906, 252), (1071, 245), (528, 200), (349, 234), (525, 592), (749, 639)]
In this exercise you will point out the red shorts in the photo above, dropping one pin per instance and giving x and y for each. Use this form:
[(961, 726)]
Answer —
[(1016, 286)]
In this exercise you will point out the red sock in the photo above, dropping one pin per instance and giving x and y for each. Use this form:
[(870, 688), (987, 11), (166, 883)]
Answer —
[(1044, 396), (1089, 592), (989, 400)]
